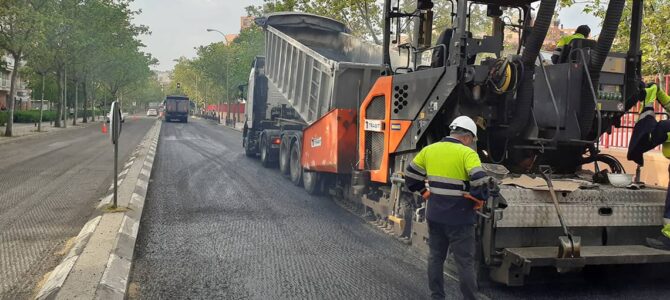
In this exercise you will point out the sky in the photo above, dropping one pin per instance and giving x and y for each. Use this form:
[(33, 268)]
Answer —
[(178, 26)]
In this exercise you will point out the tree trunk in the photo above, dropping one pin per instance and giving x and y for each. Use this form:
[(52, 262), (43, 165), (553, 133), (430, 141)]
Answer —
[(39, 125), (66, 111), (83, 86), (58, 122), (12, 93), (76, 102), (93, 106)]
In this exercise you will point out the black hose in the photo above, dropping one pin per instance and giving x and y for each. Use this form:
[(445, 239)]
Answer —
[(611, 161), (524, 100), (606, 38), (598, 56)]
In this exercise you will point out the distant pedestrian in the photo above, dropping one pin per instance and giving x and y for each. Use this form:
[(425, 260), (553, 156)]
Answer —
[(450, 167)]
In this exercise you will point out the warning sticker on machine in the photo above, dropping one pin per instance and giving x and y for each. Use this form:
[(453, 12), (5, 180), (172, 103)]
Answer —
[(316, 142), (374, 125)]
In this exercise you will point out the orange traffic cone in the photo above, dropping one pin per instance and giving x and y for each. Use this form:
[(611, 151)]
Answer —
[(104, 128)]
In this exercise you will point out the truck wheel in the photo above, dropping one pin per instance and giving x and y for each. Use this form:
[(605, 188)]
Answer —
[(294, 164), (265, 155), (312, 182), (247, 148), (284, 156)]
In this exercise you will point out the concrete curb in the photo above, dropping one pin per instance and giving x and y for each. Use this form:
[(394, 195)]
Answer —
[(114, 280), (59, 274)]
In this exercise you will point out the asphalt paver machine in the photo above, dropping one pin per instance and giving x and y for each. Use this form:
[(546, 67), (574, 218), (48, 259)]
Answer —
[(363, 111)]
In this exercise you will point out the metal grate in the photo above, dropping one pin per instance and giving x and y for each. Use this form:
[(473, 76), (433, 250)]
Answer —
[(376, 145), (374, 141), (377, 109)]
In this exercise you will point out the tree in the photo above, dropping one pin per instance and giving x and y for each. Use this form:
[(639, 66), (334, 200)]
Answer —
[(363, 17), (655, 33), (21, 22)]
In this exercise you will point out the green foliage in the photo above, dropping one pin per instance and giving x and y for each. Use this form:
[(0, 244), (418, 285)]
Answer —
[(33, 116), (363, 17), (655, 33), (213, 76)]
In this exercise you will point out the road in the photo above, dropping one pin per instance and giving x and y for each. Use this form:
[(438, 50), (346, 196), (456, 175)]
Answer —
[(50, 185), (217, 225)]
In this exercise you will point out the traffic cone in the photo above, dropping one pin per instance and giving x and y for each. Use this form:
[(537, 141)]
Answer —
[(104, 128)]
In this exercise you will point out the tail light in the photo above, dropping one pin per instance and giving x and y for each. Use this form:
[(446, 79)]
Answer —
[(276, 141)]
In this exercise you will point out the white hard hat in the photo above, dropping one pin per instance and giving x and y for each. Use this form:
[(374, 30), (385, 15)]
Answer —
[(464, 122)]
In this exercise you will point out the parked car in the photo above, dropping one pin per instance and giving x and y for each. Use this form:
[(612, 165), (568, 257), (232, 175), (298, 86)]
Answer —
[(151, 112)]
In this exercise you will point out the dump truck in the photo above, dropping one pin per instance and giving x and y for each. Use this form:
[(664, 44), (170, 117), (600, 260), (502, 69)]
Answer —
[(176, 108), (362, 111)]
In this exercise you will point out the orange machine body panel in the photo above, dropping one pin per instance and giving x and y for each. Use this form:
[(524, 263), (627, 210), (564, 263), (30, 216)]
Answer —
[(398, 129), (383, 87), (327, 144)]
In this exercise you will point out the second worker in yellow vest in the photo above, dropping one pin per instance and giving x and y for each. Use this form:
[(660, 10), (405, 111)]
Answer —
[(652, 94), (582, 32)]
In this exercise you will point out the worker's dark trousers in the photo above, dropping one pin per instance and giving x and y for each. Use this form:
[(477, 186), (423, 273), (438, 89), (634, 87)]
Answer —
[(666, 214), (460, 241)]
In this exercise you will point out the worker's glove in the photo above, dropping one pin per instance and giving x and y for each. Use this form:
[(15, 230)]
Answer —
[(478, 203), (650, 94), (425, 193), (494, 191)]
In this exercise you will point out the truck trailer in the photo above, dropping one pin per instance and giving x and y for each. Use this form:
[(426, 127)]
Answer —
[(354, 114), (177, 108)]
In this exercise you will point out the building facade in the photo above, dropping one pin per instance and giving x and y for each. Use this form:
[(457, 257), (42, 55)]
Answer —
[(22, 99)]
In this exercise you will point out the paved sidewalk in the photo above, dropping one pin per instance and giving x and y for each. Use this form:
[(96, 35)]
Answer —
[(238, 126), (29, 129)]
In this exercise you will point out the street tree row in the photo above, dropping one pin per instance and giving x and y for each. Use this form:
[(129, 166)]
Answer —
[(74, 52)]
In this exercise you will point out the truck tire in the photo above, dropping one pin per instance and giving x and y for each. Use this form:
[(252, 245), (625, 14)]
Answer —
[(312, 182), (294, 164), (265, 154), (247, 149), (284, 156)]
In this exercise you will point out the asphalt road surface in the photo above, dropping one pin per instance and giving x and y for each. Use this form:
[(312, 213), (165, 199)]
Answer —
[(49, 187), (217, 225)]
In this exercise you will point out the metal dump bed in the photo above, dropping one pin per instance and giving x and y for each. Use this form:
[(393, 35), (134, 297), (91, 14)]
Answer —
[(316, 64)]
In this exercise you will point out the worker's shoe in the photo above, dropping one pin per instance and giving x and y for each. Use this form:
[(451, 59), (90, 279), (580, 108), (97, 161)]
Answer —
[(662, 243)]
